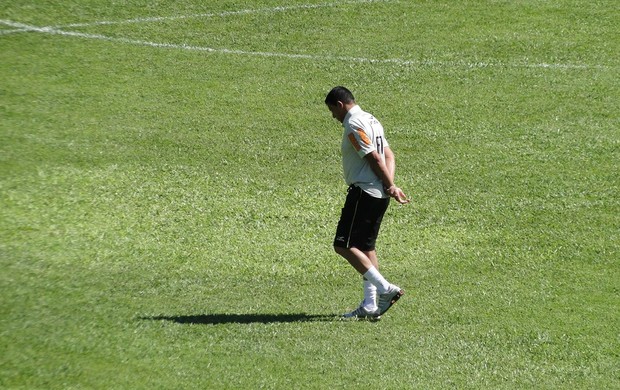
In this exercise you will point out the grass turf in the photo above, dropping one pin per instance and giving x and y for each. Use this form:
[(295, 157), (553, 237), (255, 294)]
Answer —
[(167, 213)]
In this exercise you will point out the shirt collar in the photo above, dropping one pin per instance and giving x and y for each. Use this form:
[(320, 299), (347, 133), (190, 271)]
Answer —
[(355, 109)]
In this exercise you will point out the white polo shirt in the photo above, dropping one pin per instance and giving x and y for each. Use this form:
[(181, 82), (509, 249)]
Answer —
[(362, 134)]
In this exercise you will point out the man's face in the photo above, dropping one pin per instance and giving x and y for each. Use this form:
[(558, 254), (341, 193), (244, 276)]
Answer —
[(338, 111)]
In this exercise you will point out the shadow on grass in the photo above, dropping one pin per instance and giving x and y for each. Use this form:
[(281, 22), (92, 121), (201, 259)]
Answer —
[(214, 319)]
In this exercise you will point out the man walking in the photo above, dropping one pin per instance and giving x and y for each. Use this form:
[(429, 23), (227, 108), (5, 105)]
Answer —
[(368, 166)]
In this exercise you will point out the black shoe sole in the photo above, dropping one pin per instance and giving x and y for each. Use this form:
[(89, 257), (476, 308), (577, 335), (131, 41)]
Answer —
[(395, 298)]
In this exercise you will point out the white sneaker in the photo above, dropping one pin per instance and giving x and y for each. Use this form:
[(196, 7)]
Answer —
[(386, 300), (363, 313)]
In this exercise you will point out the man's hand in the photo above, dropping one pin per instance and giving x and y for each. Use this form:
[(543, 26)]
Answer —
[(397, 194)]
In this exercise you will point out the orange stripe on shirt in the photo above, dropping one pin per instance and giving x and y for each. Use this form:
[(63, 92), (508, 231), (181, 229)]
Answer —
[(353, 140), (363, 136)]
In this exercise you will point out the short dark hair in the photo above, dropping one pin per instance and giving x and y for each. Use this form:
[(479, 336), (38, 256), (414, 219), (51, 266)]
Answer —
[(339, 94)]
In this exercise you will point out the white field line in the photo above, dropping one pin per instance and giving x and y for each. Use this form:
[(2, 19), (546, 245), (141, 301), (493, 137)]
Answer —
[(392, 61), (20, 27), (194, 16), (224, 14), (17, 30)]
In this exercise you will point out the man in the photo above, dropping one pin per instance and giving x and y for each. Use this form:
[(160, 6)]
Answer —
[(368, 166)]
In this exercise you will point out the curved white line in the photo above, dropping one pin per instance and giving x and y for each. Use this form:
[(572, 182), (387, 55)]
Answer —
[(223, 14), (393, 61)]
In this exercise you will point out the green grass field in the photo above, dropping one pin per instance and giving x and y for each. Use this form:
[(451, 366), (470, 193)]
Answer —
[(170, 184)]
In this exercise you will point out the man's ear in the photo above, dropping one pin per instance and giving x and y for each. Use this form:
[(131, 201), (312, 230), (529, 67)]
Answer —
[(340, 104)]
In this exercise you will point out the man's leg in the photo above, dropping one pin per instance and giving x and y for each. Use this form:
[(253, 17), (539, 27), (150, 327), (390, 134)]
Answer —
[(356, 258), (388, 293), (372, 256), (364, 265), (359, 222), (370, 290)]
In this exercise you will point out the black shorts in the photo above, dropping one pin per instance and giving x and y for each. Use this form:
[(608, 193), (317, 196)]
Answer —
[(360, 220)]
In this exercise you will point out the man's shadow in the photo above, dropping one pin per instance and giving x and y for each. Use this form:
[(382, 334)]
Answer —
[(214, 319)]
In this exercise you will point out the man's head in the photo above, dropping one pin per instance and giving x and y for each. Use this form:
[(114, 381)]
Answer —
[(339, 101)]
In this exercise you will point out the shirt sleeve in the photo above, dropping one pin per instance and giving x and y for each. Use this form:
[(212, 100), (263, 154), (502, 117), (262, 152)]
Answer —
[(360, 140)]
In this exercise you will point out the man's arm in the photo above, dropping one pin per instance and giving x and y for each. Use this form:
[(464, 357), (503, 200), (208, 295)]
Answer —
[(390, 162), (385, 171)]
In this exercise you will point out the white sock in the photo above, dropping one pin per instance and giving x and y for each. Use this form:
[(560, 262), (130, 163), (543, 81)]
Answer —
[(370, 295), (374, 277)]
